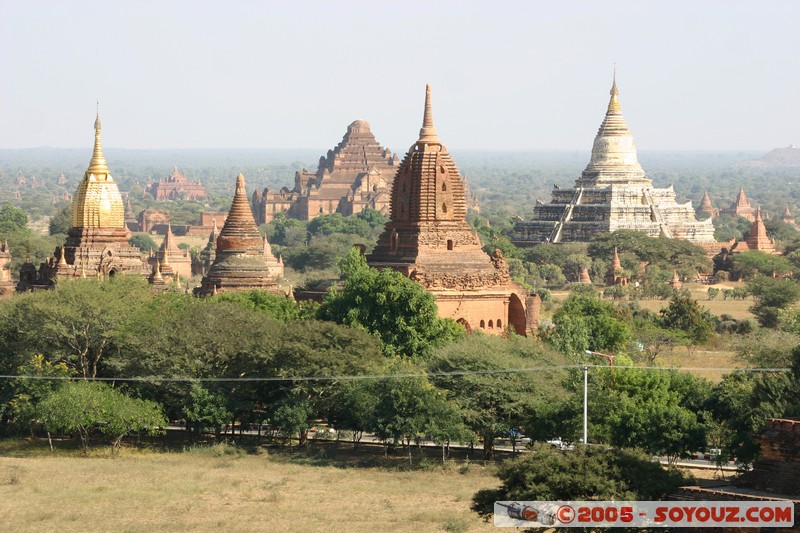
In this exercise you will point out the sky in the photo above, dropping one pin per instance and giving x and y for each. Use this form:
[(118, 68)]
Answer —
[(693, 75)]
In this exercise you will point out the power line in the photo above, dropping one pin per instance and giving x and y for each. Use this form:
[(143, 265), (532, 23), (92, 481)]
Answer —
[(163, 379)]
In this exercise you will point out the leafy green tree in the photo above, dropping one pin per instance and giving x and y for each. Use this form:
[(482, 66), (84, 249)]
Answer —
[(655, 411), (285, 231), (585, 473), (747, 265), (26, 393), (574, 265), (85, 407), (766, 348), (408, 407), (387, 304), (492, 404), (76, 323), (771, 297), (175, 335), (584, 322), (144, 242), (292, 416), (61, 222), (338, 223), (205, 409), (352, 408), (275, 306), (684, 314), (375, 219), (665, 254), (12, 219), (742, 402)]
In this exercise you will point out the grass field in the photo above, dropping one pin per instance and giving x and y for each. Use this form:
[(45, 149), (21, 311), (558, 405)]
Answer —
[(215, 489)]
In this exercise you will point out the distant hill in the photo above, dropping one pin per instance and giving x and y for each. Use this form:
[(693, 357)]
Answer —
[(788, 157)]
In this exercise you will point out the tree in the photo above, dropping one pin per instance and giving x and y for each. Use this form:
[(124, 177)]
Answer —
[(76, 323), (747, 265), (387, 304), (684, 314), (61, 222), (493, 404), (585, 473), (144, 242), (26, 393), (584, 322), (742, 402), (205, 409), (375, 219), (771, 297), (12, 219), (274, 305), (85, 407), (292, 416), (407, 407)]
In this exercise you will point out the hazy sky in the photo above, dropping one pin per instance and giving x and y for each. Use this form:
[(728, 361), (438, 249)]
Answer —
[(518, 75)]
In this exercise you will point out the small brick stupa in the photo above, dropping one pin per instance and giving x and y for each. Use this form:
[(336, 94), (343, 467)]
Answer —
[(172, 259), (429, 240), (240, 263)]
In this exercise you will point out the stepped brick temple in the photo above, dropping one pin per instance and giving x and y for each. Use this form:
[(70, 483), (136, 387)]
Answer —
[(177, 186), (6, 285), (612, 193), (788, 217), (429, 240), (355, 175), (97, 243), (740, 207), (172, 259), (242, 260)]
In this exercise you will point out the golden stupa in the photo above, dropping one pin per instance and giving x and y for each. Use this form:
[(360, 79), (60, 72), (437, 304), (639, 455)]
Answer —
[(97, 243), (98, 203)]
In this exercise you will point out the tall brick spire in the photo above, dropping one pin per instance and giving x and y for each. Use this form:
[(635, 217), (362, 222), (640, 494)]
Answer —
[(239, 263)]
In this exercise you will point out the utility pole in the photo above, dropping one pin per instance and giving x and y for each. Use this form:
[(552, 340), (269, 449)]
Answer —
[(585, 404)]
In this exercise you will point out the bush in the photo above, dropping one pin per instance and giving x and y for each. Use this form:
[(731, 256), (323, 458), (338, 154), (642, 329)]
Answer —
[(586, 473)]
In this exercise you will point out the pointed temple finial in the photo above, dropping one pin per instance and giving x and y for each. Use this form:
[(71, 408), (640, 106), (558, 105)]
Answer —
[(98, 163), (428, 131), (613, 104)]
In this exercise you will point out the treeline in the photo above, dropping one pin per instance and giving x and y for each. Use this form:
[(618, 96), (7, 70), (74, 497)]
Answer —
[(375, 358)]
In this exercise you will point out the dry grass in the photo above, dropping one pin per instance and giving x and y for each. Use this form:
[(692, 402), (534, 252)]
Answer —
[(212, 491), (683, 358)]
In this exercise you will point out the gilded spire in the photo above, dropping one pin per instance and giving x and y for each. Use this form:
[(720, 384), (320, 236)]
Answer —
[(98, 163), (428, 134), (62, 261)]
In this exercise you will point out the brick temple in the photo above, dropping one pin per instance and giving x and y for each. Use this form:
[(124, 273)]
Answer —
[(612, 193), (177, 186), (429, 240), (6, 284), (355, 175), (740, 207)]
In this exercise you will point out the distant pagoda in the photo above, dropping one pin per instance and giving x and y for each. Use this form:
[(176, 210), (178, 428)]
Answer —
[(741, 207), (242, 261), (706, 208), (429, 240), (612, 193), (757, 238), (355, 175), (97, 243)]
